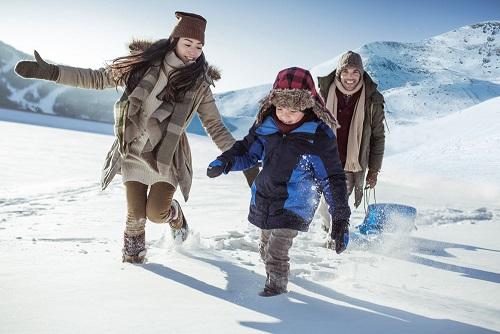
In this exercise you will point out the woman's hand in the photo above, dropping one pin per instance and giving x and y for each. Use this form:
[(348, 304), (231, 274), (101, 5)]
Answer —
[(38, 69)]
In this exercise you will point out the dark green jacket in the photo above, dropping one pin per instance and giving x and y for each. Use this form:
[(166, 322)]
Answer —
[(371, 152)]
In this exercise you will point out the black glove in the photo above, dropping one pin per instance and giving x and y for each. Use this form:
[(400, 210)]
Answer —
[(340, 234), (217, 167), (251, 173), (38, 69)]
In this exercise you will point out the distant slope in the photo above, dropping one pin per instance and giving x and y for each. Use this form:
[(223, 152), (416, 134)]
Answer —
[(420, 81), (464, 145), (47, 97), (437, 76)]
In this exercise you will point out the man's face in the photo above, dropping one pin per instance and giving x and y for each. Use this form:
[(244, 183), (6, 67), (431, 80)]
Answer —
[(349, 77)]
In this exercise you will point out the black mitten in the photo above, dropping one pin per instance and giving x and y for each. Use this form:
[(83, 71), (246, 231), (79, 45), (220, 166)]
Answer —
[(38, 69), (340, 234)]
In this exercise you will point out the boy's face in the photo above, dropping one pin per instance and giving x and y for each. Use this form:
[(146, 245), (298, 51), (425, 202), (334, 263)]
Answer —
[(289, 116), (349, 77)]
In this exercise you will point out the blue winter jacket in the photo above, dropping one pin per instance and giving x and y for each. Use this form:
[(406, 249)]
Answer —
[(296, 169)]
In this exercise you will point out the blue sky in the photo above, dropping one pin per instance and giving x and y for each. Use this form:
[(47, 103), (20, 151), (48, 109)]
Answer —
[(250, 41)]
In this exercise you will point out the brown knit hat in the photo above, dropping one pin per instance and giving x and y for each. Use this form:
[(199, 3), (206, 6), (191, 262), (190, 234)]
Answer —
[(350, 59), (189, 25)]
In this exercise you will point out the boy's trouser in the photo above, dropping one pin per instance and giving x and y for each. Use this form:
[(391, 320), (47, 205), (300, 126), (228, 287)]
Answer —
[(352, 181), (274, 247)]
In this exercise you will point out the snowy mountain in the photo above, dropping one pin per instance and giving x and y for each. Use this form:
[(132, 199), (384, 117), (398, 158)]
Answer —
[(47, 97), (434, 77), (422, 80)]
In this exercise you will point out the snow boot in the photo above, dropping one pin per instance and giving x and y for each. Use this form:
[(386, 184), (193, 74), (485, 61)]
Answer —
[(134, 241), (270, 292), (274, 287), (178, 222)]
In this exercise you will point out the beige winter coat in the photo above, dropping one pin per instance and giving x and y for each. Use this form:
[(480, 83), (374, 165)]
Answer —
[(204, 105)]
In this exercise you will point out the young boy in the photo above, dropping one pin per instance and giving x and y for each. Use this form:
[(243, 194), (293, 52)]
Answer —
[(293, 139)]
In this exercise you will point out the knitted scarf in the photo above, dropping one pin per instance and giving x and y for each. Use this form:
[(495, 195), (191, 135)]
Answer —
[(165, 126), (356, 129)]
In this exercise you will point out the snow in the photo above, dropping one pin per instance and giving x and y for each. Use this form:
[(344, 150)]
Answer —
[(56, 121), (463, 145), (61, 239)]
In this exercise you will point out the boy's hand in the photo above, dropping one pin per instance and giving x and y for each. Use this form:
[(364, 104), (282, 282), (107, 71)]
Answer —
[(216, 168), (340, 234), (38, 69)]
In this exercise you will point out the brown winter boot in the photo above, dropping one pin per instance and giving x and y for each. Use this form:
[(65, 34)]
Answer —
[(134, 241), (271, 292), (177, 222), (275, 285)]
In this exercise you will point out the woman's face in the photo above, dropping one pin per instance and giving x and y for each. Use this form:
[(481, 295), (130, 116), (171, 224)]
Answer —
[(289, 116), (188, 49)]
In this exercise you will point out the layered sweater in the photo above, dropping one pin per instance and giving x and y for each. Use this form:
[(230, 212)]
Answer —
[(134, 168)]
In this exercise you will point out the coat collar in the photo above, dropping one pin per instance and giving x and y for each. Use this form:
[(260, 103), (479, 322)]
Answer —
[(269, 127)]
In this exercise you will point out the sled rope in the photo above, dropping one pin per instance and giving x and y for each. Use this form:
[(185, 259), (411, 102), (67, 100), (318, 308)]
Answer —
[(366, 198)]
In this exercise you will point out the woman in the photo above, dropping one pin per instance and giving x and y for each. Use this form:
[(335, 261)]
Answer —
[(165, 83)]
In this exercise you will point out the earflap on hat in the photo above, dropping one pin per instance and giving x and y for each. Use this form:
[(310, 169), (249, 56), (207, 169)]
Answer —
[(294, 89), (293, 99)]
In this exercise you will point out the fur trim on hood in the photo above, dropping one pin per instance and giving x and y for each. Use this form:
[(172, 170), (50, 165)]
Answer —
[(138, 45), (295, 99)]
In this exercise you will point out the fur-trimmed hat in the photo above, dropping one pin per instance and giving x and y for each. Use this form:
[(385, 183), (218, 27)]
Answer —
[(189, 25), (294, 89), (350, 59)]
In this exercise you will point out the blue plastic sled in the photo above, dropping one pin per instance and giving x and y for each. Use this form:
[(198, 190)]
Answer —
[(388, 217)]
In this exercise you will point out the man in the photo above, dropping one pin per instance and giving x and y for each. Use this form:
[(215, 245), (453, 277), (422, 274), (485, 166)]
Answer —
[(352, 97)]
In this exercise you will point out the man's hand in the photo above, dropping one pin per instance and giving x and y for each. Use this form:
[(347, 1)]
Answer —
[(371, 178)]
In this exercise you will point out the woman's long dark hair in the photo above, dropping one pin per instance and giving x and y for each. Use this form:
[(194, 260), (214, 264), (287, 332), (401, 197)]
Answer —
[(130, 69)]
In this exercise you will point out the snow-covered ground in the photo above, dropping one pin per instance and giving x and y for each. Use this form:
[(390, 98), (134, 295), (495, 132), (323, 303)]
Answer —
[(61, 239)]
